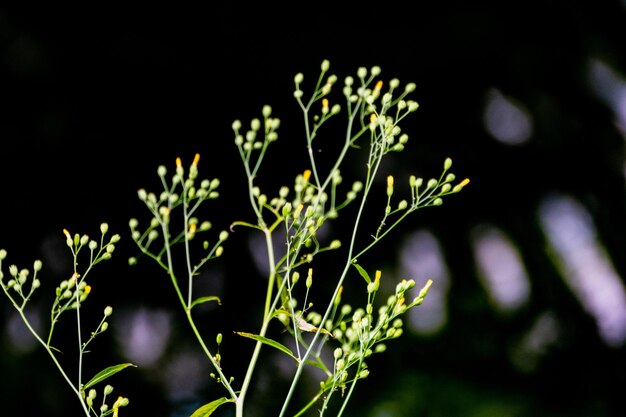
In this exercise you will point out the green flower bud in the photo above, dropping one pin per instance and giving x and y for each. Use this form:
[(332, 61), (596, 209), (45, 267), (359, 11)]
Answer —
[(267, 111), (361, 72), (410, 87), (105, 326), (108, 390), (115, 238), (298, 78), (108, 311), (219, 251), (132, 261), (142, 194), (84, 239), (13, 270), (36, 284), (37, 265), (346, 309), (93, 245), (223, 235), (375, 71), (110, 248), (236, 125), (218, 338), (338, 353), (3, 254), (104, 228)]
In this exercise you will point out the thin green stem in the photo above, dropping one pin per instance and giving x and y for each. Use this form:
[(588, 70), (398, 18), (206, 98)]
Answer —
[(266, 320)]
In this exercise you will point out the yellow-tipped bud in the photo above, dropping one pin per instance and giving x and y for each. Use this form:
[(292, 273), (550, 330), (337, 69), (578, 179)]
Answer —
[(196, 159), (379, 85), (307, 174), (460, 185), (389, 185)]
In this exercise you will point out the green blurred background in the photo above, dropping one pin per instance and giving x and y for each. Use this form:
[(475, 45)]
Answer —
[(527, 314)]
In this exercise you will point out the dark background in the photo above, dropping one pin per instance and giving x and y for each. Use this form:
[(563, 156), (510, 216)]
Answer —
[(95, 98)]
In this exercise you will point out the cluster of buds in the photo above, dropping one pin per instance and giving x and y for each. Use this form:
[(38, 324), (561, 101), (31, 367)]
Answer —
[(361, 334), (19, 278), (434, 189), (105, 250), (182, 190), (254, 138)]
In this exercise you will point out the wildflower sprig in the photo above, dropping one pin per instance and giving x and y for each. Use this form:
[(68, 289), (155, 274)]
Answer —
[(294, 215), (423, 195), (70, 295), (371, 112), (175, 223)]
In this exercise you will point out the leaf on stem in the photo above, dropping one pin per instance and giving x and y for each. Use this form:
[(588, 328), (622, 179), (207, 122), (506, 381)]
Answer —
[(363, 272), (208, 409), (202, 300), (268, 342), (105, 373)]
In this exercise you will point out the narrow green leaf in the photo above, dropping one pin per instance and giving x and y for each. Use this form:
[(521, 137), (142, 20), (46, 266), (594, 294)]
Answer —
[(268, 342), (205, 299), (363, 272), (105, 373), (208, 409)]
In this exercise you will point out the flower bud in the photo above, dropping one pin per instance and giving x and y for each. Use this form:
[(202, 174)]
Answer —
[(108, 390), (108, 311), (389, 186), (338, 353), (37, 265)]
